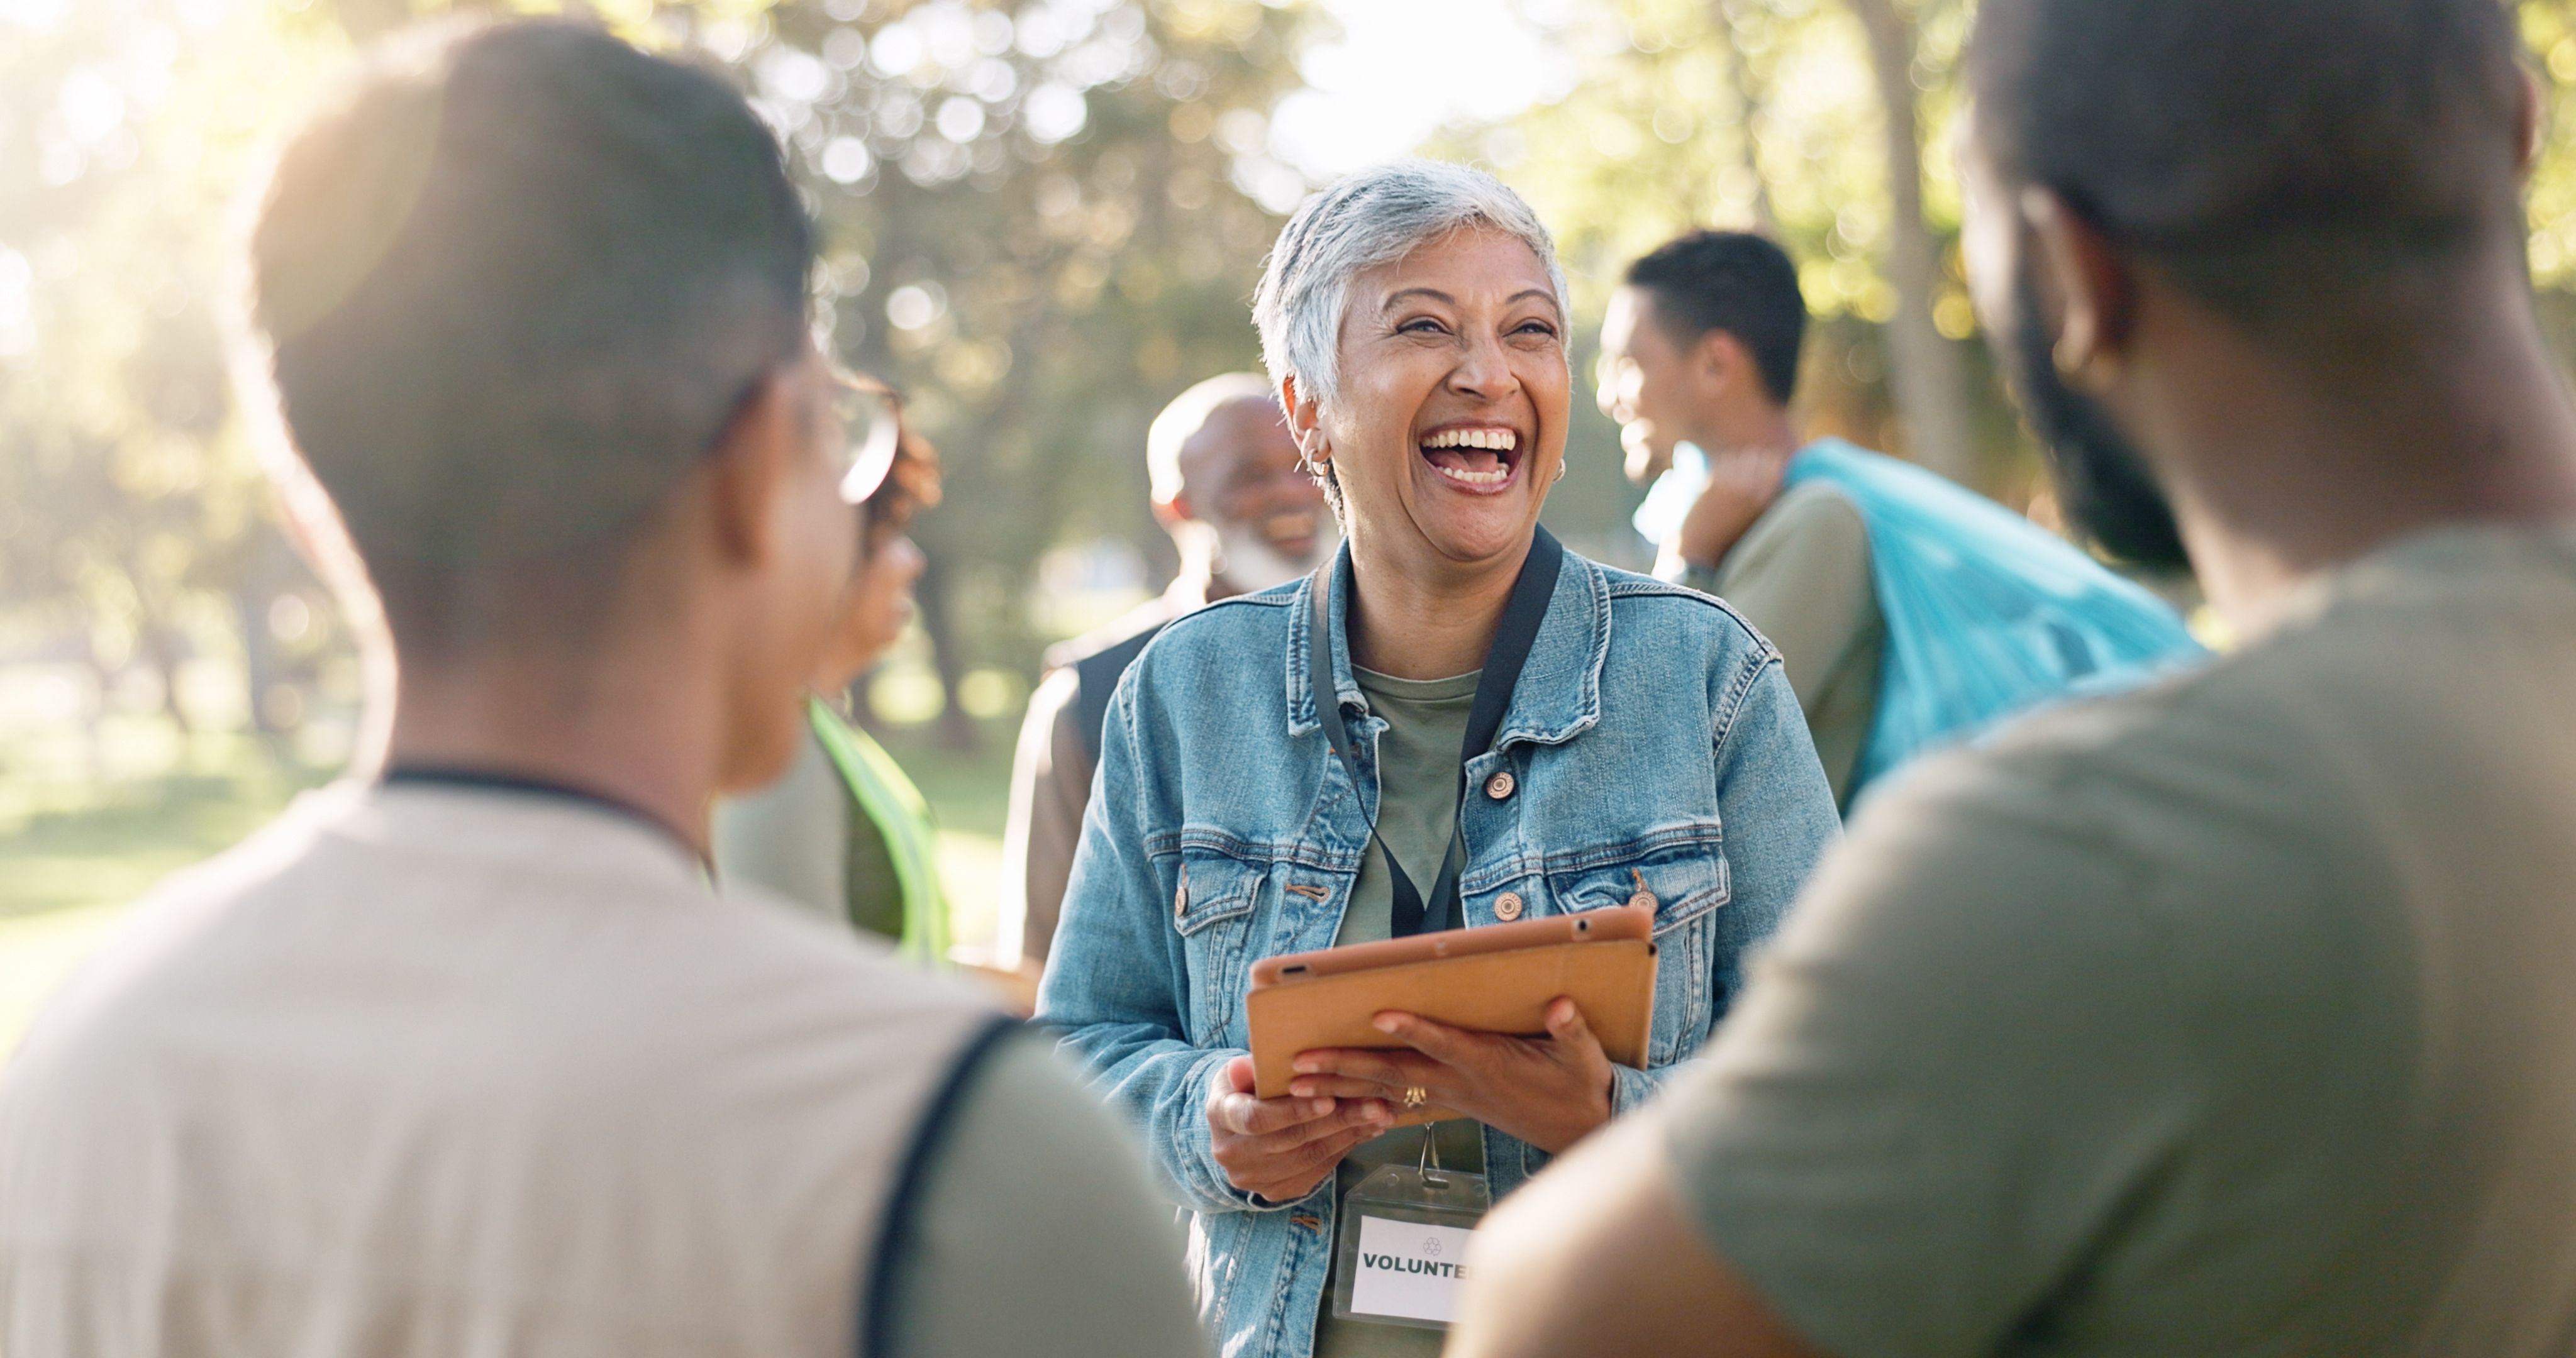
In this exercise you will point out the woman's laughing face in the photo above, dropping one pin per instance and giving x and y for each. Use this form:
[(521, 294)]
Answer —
[(1450, 424)]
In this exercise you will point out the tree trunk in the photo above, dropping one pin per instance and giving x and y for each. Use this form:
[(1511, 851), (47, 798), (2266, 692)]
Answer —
[(939, 619), (1748, 102), (102, 687), (1930, 382), (160, 643)]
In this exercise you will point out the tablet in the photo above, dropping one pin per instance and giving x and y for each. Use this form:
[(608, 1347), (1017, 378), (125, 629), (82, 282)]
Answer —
[(1497, 979)]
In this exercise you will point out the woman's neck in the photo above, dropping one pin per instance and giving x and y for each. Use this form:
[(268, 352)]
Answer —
[(1426, 624)]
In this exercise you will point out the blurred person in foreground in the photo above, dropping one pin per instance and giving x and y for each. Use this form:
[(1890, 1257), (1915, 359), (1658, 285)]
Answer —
[(844, 832), (1458, 724), (2232, 1016), (1245, 516), (1910, 613), (463, 1055)]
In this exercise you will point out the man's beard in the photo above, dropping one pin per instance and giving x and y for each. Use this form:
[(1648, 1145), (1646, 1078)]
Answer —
[(2103, 485), (1246, 559)]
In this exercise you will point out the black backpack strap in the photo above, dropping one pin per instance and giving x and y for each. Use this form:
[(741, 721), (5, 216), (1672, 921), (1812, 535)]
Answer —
[(1095, 682), (878, 1296), (1532, 592)]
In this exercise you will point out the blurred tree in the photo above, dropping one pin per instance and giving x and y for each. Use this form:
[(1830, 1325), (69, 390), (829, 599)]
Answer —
[(1043, 217), (1041, 224), (1823, 126), (127, 506), (1930, 383), (1749, 114)]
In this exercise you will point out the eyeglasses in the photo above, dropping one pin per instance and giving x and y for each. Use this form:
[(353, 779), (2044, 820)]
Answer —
[(870, 433)]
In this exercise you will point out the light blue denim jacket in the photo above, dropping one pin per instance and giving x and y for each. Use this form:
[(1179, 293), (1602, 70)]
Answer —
[(1652, 737)]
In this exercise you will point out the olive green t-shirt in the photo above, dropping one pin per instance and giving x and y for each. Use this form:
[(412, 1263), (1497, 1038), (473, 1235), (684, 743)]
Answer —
[(1801, 576), (1417, 814), (2235, 1016)]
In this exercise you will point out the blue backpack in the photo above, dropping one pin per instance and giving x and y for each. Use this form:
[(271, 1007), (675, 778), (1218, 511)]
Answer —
[(1987, 614)]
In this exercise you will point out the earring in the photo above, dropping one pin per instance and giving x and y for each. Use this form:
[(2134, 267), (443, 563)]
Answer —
[(1308, 459), (1560, 472)]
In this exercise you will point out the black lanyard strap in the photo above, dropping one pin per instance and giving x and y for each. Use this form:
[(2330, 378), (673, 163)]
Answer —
[(1531, 594)]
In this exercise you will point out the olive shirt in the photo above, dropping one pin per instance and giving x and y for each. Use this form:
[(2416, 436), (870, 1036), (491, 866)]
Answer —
[(2233, 1016), (1417, 812), (1801, 576)]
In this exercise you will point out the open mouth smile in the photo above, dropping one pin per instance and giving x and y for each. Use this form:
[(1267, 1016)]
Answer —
[(1480, 459)]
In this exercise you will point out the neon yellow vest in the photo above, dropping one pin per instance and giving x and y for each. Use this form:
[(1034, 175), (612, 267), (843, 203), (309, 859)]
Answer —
[(902, 815)]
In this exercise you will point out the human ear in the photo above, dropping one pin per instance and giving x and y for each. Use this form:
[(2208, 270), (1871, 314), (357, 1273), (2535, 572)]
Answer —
[(753, 469), (1305, 424), (2087, 283), (1718, 359)]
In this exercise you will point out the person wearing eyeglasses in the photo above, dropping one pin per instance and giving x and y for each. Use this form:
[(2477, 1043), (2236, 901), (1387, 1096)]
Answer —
[(464, 1054), (845, 832)]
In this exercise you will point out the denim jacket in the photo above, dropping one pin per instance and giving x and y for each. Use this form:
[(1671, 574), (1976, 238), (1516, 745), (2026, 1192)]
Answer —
[(1652, 737)]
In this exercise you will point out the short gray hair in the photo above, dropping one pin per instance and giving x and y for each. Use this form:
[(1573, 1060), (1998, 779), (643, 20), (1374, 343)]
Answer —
[(1373, 217)]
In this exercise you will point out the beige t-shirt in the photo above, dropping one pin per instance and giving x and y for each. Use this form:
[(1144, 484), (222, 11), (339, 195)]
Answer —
[(2237, 1016), (433, 1071), (1801, 576)]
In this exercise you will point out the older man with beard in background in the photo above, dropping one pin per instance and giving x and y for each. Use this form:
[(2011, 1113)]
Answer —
[(2232, 1016), (1245, 517)]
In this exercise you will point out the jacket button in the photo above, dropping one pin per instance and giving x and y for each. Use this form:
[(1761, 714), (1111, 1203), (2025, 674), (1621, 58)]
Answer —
[(1507, 907), (1643, 900), (1500, 785)]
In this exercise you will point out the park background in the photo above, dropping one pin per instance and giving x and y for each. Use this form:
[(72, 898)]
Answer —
[(1040, 219)]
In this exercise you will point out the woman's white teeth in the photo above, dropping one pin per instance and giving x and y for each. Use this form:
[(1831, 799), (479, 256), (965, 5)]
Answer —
[(1496, 440), (1492, 478)]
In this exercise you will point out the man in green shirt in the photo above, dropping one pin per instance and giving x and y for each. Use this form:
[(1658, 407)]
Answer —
[(2233, 1016), (1910, 612), (1700, 348)]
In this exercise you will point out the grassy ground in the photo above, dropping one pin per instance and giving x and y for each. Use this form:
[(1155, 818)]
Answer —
[(74, 851)]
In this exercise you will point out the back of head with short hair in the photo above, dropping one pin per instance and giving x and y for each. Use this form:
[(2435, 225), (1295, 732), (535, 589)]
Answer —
[(513, 284), (2276, 157), (1733, 281), (1186, 415)]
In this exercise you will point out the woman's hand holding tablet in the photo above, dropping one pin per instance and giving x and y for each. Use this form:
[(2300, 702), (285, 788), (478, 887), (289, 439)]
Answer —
[(1282, 1148), (1550, 1092)]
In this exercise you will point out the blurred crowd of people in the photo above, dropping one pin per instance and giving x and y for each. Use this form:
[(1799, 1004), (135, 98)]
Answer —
[(2030, 980)]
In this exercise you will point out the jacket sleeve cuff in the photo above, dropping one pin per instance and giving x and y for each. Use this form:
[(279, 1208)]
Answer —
[(1194, 1145), (1631, 1089)]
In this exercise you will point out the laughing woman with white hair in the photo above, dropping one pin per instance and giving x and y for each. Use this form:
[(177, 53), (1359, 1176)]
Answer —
[(1457, 723)]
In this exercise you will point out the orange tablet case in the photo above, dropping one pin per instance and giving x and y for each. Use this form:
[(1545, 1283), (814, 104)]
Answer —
[(1497, 979)]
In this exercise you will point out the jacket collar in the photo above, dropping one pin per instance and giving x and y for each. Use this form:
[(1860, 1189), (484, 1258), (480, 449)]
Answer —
[(1559, 694)]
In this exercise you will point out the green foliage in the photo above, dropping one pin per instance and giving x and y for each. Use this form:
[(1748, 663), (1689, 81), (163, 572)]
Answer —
[(1064, 203), (1037, 227), (133, 525), (1759, 115)]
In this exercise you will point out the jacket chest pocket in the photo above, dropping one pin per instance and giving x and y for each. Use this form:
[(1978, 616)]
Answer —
[(1214, 897), (1680, 871)]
